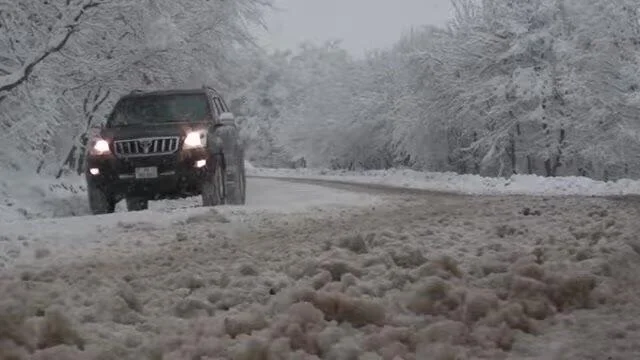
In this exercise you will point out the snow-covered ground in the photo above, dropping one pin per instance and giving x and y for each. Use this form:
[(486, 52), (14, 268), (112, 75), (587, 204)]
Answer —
[(312, 272), (77, 236), (466, 184), (25, 196)]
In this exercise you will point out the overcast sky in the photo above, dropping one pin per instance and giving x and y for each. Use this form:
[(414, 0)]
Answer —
[(361, 24)]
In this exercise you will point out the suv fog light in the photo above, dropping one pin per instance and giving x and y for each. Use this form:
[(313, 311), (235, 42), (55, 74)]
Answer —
[(94, 171), (201, 163)]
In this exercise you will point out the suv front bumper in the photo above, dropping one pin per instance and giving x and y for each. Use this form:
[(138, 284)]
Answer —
[(178, 175)]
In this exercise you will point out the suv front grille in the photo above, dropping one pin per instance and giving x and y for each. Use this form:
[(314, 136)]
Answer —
[(146, 146)]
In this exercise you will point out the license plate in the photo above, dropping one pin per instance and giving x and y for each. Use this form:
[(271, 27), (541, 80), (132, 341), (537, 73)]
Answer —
[(147, 172)]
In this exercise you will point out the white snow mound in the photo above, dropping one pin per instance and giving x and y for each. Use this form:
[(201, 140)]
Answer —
[(31, 196)]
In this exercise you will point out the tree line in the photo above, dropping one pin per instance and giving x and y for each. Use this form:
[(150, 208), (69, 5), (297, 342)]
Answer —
[(547, 87)]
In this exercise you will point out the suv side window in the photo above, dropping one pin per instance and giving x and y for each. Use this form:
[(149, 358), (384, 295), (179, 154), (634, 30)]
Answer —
[(218, 104), (214, 105), (225, 108)]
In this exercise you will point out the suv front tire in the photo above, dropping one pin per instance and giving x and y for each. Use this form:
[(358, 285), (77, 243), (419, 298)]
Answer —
[(100, 202), (137, 204), (235, 176), (213, 187)]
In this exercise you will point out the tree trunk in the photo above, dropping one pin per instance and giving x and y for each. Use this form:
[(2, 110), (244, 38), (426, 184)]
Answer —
[(476, 160), (548, 168), (561, 143), (512, 154)]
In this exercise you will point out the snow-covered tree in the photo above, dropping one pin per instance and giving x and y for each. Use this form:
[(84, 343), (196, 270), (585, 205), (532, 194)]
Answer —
[(604, 86), (32, 31), (261, 93), (549, 87), (520, 86), (317, 103), (90, 52)]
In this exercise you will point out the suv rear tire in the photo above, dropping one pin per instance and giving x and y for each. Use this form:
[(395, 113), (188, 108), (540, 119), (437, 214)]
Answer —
[(99, 201), (213, 187), (235, 179)]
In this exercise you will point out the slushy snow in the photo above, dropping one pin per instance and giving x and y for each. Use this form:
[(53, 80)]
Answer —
[(312, 272)]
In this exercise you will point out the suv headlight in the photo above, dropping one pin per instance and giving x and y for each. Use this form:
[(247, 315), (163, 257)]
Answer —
[(195, 139), (100, 147)]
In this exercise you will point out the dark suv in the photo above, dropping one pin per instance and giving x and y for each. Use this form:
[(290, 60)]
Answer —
[(166, 145)]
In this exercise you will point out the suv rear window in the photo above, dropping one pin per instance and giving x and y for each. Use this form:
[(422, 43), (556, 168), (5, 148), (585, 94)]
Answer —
[(158, 109)]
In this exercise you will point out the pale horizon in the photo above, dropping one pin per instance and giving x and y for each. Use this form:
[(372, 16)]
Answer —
[(360, 24)]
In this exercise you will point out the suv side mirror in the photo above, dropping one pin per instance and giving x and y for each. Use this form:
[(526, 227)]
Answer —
[(227, 118)]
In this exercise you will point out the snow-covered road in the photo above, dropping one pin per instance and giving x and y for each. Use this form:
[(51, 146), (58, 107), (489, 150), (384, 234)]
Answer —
[(74, 237), (331, 271)]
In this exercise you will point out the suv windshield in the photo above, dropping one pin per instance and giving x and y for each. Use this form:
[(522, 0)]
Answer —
[(157, 109)]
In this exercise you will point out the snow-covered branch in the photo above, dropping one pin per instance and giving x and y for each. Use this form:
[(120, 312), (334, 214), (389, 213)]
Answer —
[(57, 40), (56, 52)]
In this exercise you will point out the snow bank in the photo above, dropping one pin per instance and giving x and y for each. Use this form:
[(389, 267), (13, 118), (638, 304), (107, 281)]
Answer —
[(466, 184), (30, 196)]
